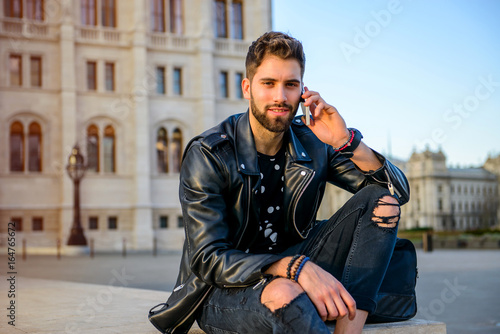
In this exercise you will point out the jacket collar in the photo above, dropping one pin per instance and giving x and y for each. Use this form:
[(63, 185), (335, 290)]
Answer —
[(246, 153)]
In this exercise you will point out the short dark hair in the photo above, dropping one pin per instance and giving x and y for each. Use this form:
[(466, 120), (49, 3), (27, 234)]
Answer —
[(277, 44)]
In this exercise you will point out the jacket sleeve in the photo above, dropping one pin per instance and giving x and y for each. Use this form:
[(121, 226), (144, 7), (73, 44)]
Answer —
[(212, 239), (345, 174)]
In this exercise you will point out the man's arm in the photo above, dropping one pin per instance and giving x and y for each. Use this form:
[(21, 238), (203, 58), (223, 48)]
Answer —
[(329, 126)]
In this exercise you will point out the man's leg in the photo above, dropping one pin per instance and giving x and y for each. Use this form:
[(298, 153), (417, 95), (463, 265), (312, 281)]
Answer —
[(355, 246)]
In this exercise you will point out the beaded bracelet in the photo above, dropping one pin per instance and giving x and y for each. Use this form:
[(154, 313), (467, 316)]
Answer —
[(295, 267), (347, 142), (348, 150), (292, 261), (296, 278)]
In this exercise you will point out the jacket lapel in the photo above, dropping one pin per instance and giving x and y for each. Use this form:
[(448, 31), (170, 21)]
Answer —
[(246, 153)]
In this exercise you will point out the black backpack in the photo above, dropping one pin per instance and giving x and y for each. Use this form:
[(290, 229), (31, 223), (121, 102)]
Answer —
[(396, 300)]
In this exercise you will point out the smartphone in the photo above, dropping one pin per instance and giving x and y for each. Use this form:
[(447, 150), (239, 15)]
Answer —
[(305, 110)]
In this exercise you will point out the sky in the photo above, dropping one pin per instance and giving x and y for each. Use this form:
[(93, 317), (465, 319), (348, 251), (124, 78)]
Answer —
[(408, 74)]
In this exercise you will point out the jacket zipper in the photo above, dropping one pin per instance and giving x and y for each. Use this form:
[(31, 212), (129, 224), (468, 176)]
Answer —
[(242, 233), (311, 176), (389, 183), (261, 282), (390, 186), (248, 212), (178, 288)]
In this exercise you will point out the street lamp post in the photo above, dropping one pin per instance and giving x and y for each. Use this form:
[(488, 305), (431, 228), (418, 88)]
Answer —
[(76, 170)]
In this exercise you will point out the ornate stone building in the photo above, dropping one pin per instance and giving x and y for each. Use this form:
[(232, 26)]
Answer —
[(441, 198), (130, 82), (449, 198)]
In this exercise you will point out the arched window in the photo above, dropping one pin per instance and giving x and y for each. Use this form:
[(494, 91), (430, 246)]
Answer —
[(162, 150), (35, 148), (16, 147), (176, 150), (93, 148), (108, 145)]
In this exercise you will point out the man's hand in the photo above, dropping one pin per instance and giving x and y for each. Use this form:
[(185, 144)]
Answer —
[(326, 122), (331, 129), (328, 295)]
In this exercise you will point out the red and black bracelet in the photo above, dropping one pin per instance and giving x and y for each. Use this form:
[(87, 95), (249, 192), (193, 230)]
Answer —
[(347, 149), (347, 143)]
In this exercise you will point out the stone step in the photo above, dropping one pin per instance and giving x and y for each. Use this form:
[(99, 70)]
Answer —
[(57, 307), (413, 326)]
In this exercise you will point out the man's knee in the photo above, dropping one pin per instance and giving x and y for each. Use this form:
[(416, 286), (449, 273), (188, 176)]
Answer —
[(279, 293), (387, 212)]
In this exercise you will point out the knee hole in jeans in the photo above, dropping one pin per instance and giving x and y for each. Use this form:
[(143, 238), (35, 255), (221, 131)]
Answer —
[(279, 293), (387, 212)]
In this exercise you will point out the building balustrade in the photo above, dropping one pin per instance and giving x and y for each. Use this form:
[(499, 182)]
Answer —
[(170, 42), (101, 35), (28, 29), (228, 47)]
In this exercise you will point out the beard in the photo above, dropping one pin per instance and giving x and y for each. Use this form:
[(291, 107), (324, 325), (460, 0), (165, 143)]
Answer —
[(279, 124)]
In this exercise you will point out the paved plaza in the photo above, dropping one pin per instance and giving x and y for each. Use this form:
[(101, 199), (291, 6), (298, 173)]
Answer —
[(458, 287)]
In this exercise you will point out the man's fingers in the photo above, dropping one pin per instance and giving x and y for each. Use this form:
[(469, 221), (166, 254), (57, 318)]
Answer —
[(341, 306), (349, 302), (333, 311), (321, 308)]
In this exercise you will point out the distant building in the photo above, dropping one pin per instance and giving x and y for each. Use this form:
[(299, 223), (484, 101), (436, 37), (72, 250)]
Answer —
[(130, 81), (441, 198), (449, 198)]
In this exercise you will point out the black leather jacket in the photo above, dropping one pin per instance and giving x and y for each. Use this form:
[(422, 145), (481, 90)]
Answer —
[(218, 180)]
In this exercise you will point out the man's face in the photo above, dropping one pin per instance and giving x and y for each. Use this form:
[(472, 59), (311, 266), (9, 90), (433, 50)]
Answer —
[(274, 93)]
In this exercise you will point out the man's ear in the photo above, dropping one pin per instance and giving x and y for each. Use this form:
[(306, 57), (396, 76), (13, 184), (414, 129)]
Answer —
[(245, 87)]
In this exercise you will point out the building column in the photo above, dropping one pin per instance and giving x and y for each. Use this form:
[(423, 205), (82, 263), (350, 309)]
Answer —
[(68, 116), (205, 68), (143, 213)]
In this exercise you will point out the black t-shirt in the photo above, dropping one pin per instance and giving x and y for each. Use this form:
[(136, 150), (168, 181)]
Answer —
[(270, 196)]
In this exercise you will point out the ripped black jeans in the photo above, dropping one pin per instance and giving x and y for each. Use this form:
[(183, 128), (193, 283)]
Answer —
[(355, 245)]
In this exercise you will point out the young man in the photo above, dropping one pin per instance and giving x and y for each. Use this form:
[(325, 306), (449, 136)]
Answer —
[(250, 189)]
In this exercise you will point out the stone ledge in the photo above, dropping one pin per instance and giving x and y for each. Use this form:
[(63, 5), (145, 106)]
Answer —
[(413, 326), (57, 307)]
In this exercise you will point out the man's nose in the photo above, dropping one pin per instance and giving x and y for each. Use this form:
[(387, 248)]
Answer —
[(280, 94)]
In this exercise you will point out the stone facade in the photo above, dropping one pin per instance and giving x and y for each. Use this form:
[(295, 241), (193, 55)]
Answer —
[(441, 198), (112, 80), (449, 198)]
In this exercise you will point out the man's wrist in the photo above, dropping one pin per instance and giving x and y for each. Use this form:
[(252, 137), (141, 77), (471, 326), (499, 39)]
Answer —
[(279, 267), (342, 141), (348, 148)]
